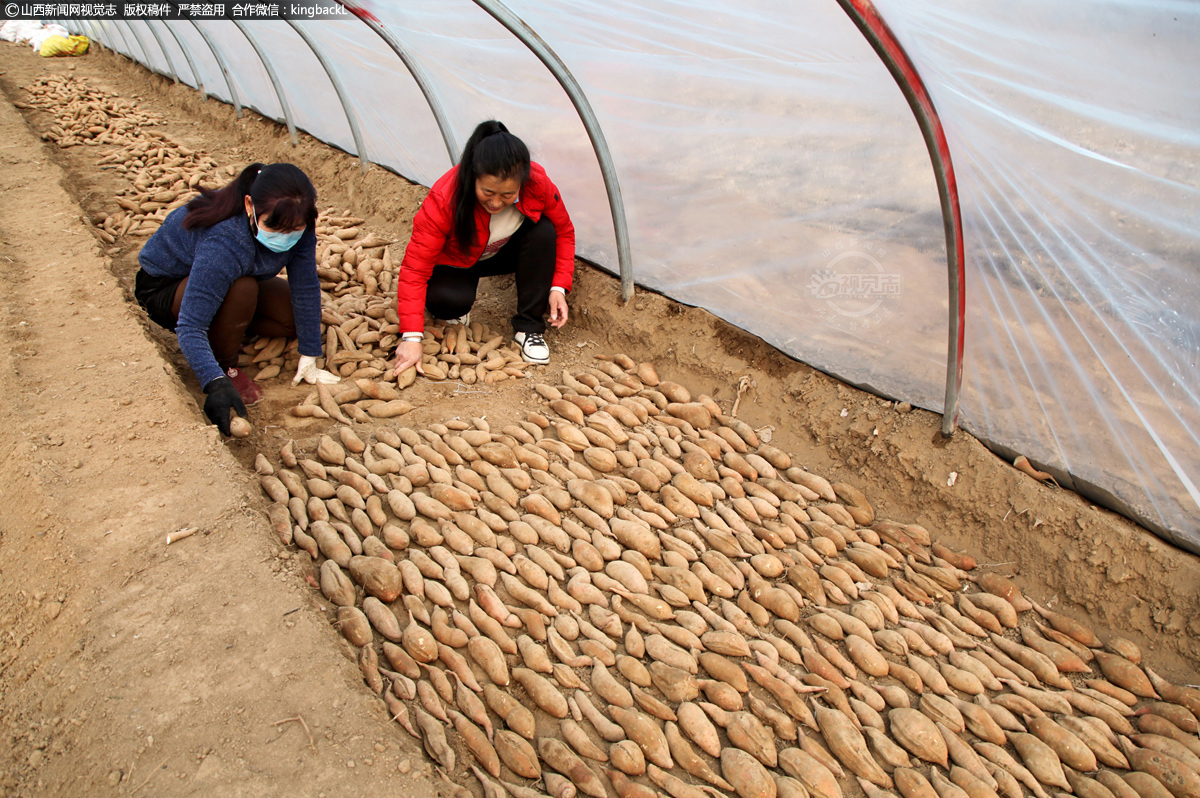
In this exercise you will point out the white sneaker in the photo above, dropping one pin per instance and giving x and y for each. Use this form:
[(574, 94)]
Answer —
[(464, 320), (533, 347)]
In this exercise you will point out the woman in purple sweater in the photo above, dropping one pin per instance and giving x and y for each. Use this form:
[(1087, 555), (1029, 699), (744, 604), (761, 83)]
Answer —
[(210, 274)]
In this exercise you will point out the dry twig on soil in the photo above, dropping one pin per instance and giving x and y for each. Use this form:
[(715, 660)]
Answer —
[(146, 780), (300, 720)]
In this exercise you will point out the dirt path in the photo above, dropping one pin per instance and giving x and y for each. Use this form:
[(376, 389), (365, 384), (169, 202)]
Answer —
[(130, 666), (127, 663)]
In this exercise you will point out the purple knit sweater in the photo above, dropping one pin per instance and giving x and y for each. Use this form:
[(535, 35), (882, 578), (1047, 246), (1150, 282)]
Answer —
[(212, 258)]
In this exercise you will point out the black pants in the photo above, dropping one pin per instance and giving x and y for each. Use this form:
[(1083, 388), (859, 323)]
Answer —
[(252, 307), (530, 254)]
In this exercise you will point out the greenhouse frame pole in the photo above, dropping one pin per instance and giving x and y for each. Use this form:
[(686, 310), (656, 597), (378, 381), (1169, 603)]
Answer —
[(124, 41), (191, 64), (266, 62), (550, 59), (166, 55), (141, 44), (95, 32), (351, 117), (418, 74), (864, 14), (237, 104)]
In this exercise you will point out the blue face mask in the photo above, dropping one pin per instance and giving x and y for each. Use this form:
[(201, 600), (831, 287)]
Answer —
[(276, 242)]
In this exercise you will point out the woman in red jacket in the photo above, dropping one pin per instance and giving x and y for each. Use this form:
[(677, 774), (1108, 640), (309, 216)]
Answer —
[(496, 212)]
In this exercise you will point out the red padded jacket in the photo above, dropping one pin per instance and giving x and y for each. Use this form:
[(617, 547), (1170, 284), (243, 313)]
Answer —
[(433, 243)]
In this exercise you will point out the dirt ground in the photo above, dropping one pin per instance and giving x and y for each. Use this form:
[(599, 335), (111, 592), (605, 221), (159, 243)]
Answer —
[(210, 666)]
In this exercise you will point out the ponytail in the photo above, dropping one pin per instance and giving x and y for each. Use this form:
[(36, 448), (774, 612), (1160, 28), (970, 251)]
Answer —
[(280, 190), (491, 150), (213, 206)]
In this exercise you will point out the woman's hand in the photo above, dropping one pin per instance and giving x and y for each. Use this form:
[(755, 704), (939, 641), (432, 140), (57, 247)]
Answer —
[(307, 370), (558, 309), (408, 353), (221, 398)]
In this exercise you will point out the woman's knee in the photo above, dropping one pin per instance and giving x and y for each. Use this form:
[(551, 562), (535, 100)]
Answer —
[(237, 311), (450, 289), (242, 298), (273, 315), (233, 317), (542, 233)]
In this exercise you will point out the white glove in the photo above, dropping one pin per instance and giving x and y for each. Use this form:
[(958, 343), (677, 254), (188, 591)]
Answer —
[(307, 370)]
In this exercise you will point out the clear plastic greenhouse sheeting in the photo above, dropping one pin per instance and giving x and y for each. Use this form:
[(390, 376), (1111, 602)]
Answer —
[(774, 175), (1075, 130)]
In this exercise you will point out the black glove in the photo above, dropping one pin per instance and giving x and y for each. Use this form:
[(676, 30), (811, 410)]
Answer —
[(222, 397)]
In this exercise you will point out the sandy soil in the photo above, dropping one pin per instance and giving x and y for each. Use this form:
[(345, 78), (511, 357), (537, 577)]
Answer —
[(210, 666)]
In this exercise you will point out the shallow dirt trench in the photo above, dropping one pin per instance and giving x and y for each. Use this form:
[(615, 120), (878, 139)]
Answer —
[(211, 666)]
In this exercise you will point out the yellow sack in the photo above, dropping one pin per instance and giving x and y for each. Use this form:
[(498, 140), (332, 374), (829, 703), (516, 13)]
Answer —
[(62, 45)]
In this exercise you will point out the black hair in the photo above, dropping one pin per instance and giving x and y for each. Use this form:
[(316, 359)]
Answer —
[(280, 190), (491, 150)]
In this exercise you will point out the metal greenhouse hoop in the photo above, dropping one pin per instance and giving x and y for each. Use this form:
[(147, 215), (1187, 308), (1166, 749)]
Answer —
[(864, 14), (351, 117), (550, 59), (187, 54), (418, 74), (166, 55), (237, 104), (266, 62)]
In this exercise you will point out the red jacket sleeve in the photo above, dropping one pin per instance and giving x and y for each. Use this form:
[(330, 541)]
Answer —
[(431, 231), (564, 262)]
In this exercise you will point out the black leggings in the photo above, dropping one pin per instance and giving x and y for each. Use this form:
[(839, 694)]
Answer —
[(530, 254), (252, 306)]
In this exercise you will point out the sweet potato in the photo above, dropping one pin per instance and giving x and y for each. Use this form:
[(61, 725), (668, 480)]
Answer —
[(240, 427), (1070, 749), (866, 656), (1123, 673), (745, 731), (419, 642), (918, 735), (1002, 586), (1116, 785), (593, 496), (377, 576), (389, 409), (578, 739), (1040, 759), (1177, 776), (477, 743), (746, 774), (433, 736), (816, 778), (512, 712), (558, 756), (642, 730), (1184, 696), (1145, 785), (517, 754), (628, 758), (354, 625), (381, 617), (330, 543), (488, 656), (543, 693)]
